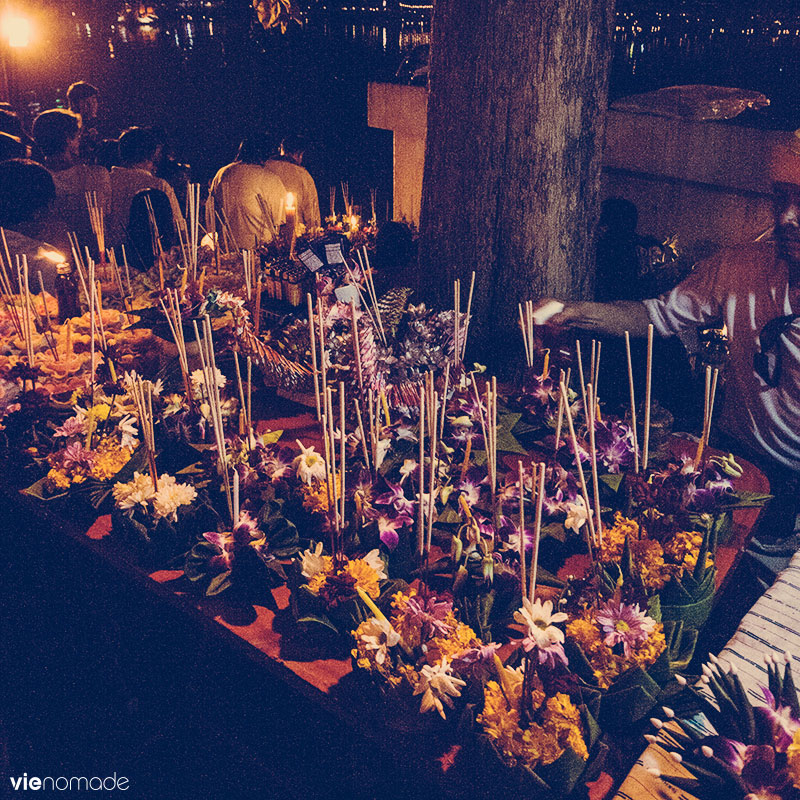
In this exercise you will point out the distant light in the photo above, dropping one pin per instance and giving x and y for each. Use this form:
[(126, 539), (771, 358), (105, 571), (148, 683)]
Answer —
[(16, 29)]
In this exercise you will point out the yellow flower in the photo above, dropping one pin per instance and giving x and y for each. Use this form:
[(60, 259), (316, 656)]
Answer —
[(100, 411), (614, 538), (365, 576), (56, 479), (683, 550)]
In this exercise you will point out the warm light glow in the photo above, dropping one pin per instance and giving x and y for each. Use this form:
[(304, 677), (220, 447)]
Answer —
[(52, 255), (353, 222), (291, 202), (16, 29)]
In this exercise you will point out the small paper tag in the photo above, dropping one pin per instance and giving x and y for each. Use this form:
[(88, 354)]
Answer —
[(333, 253), (346, 293), (310, 259)]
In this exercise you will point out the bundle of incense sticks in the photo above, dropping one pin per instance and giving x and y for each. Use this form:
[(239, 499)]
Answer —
[(7, 292), (193, 210), (366, 271), (155, 241), (245, 419), (332, 193), (428, 443), (526, 325), (27, 310), (346, 195), (373, 196), (313, 347), (373, 312), (633, 403), (249, 272), (708, 410), (590, 422), (97, 221), (142, 392), (48, 327), (537, 491), (211, 394), (461, 326), (565, 379), (591, 539), (172, 312)]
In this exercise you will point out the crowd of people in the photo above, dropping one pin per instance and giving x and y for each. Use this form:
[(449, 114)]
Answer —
[(47, 173)]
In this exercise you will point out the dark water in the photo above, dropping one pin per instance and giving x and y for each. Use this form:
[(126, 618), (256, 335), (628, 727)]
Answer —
[(208, 74)]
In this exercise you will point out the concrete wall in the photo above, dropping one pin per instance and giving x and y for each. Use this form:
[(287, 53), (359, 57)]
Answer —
[(706, 181)]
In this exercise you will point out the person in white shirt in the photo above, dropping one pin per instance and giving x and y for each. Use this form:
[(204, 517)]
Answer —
[(137, 152), (247, 201), (57, 135), (288, 166)]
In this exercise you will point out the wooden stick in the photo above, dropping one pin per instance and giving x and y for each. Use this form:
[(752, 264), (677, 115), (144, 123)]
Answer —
[(323, 360), (356, 345), (590, 539), (313, 346), (48, 333), (421, 473), (633, 403), (524, 327), (444, 399), (580, 373), (647, 397), (469, 314), (560, 419), (342, 461), (434, 447), (593, 458), (523, 576), (362, 434), (537, 531)]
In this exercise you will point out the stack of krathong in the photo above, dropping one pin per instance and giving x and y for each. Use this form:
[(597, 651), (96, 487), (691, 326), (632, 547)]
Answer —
[(734, 748)]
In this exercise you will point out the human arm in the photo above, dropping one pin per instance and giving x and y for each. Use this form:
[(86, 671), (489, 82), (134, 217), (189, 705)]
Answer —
[(609, 318)]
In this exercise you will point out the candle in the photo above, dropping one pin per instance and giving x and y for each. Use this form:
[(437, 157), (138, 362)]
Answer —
[(291, 219)]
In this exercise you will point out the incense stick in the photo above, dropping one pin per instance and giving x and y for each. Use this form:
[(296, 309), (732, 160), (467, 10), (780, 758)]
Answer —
[(633, 403), (647, 397)]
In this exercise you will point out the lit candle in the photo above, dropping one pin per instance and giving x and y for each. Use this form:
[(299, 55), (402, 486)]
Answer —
[(291, 219), (353, 222)]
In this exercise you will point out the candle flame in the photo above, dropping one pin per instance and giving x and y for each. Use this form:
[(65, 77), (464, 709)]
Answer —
[(52, 255), (290, 201)]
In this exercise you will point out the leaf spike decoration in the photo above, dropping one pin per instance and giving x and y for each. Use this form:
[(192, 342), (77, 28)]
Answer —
[(789, 693)]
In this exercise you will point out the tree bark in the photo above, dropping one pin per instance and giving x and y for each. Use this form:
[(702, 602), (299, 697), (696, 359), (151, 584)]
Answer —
[(516, 119)]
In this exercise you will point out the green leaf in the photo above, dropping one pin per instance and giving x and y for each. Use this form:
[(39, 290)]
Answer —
[(612, 481), (319, 620), (219, 583)]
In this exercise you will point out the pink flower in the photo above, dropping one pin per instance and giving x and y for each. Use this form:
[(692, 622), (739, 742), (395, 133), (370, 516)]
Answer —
[(624, 624)]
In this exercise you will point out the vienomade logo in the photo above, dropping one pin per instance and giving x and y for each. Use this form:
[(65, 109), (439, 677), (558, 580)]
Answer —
[(74, 784)]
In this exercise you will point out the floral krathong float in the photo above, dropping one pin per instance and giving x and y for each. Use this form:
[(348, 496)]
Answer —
[(735, 748)]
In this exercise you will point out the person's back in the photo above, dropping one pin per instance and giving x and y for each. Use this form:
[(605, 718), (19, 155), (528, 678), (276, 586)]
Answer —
[(288, 166), (57, 136), (137, 149), (248, 200)]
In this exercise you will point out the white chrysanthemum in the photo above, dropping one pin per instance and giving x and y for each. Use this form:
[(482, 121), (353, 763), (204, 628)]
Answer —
[(199, 381), (135, 492), (378, 635), (309, 465), (374, 560), (171, 496), (438, 686), (312, 561), (540, 621), (382, 449)]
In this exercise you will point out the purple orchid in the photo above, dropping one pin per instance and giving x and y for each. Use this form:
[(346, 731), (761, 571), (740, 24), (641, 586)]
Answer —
[(429, 615), (388, 527), (614, 444), (477, 662), (74, 456), (395, 497)]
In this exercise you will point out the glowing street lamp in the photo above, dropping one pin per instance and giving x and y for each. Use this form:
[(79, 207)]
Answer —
[(16, 29)]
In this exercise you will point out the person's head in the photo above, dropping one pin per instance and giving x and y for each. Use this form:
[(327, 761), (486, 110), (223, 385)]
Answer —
[(82, 98), (107, 153), (785, 173), (255, 148), (11, 147), (294, 147), (10, 122), (138, 148), (57, 133), (26, 191)]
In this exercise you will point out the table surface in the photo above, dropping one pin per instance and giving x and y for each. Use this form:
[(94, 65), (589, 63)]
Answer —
[(265, 629)]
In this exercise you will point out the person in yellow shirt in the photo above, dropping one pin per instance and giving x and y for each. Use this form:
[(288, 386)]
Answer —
[(288, 166)]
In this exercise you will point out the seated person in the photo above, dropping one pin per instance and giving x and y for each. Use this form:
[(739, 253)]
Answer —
[(248, 200), (138, 148), (27, 192), (11, 147), (57, 136), (140, 239), (83, 100), (288, 166)]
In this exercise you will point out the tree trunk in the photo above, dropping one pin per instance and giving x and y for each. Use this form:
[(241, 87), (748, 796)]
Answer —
[(516, 119)]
